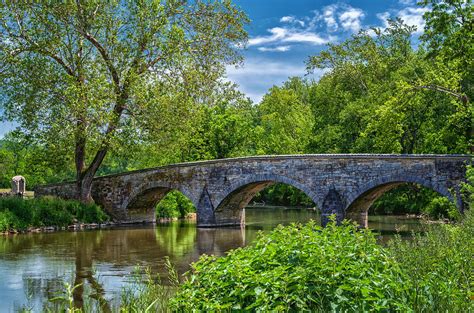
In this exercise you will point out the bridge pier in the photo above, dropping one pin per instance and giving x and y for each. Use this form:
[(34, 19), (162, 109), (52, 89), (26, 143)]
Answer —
[(333, 204), (208, 216)]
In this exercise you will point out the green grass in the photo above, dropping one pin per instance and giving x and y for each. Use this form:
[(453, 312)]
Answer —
[(17, 214)]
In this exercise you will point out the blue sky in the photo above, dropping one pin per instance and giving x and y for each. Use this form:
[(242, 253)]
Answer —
[(284, 33)]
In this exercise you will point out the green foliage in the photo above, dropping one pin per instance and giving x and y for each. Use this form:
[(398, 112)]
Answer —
[(97, 74), (19, 214), (415, 199), (282, 194), (442, 207), (300, 267), (20, 155), (285, 123), (381, 95), (174, 204), (468, 187), (8, 220), (439, 266)]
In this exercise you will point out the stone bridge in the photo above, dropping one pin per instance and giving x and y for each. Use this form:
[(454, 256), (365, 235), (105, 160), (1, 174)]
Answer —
[(344, 185)]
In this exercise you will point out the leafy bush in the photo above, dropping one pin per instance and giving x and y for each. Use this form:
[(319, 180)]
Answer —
[(16, 213), (442, 207), (174, 204), (299, 267), (8, 220), (405, 199), (19, 214), (439, 265)]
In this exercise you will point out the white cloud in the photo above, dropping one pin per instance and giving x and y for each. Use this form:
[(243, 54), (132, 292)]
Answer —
[(406, 2), (314, 30), (287, 19), (292, 20), (275, 49), (288, 35), (351, 19), (259, 74), (264, 67), (414, 17), (277, 33), (329, 18), (339, 16), (383, 17)]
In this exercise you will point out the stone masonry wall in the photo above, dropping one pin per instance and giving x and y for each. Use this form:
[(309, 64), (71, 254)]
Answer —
[(338, 184)]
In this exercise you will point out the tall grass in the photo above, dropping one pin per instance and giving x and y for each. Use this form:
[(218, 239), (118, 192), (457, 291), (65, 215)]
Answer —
[(19, 214), (439, 266), (148, 293)]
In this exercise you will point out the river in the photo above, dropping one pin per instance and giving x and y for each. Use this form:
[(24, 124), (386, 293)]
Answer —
[(34, 267)]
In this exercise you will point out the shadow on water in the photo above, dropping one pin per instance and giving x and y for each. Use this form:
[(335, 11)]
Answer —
[(34, 267)]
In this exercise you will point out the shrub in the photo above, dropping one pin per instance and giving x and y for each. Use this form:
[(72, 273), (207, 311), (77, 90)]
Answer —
[(441, 207), (90, 213), (439, 265), (174, 204), (8, 221), (49, 211), (19, 214), (299, 267)]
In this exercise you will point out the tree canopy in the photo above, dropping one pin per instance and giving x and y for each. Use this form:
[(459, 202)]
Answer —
[(91, 74)]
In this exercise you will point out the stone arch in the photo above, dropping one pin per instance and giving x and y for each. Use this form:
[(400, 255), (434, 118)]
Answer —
[(139, 206), (362, 199), (229, 208)]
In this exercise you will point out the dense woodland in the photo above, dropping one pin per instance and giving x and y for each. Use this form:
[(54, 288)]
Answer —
[(382, 91)]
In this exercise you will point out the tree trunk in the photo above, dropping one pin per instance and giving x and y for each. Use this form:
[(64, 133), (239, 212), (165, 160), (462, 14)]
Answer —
[(84, 189), (84, 180)]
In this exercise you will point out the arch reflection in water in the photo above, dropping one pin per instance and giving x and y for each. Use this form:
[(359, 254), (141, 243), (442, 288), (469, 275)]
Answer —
[(35, 267)]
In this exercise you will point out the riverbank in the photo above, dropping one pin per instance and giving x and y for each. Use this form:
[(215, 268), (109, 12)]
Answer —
[(18, 215), (92, 226), (50, 229)]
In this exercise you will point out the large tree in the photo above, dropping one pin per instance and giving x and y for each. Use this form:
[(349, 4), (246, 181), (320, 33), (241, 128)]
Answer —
[(378, 95), (73, 72)]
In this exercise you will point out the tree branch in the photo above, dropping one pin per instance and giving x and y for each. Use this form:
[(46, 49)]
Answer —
[(463, 98), (105, 56)]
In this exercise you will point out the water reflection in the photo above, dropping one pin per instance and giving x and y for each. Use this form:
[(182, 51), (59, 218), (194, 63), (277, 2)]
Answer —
[(34, 267)]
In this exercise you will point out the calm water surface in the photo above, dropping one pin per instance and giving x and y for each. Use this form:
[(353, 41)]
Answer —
[(34, 267)]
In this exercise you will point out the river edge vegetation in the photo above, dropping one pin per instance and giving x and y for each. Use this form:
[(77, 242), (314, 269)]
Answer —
[(19, 215), (332, 269)]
